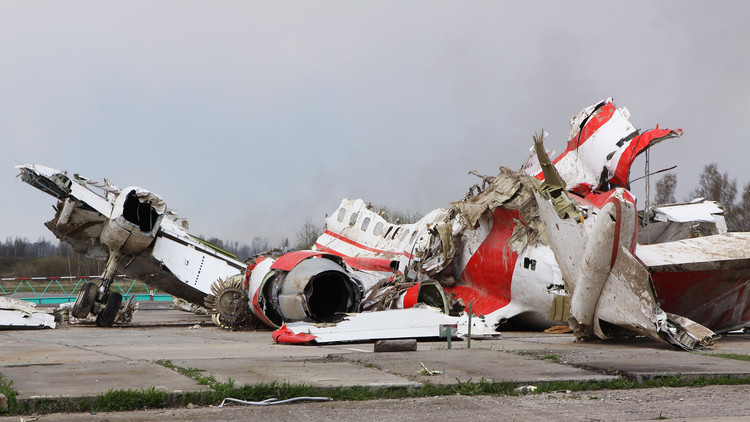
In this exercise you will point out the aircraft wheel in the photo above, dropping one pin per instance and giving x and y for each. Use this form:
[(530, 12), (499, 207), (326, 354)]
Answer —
[(107, 316), (84, 301)]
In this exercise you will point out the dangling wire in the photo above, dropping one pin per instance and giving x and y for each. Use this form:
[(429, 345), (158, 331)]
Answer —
[(646, 211)]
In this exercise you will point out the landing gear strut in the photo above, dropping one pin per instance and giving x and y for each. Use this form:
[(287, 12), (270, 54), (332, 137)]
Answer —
[(99, 300)]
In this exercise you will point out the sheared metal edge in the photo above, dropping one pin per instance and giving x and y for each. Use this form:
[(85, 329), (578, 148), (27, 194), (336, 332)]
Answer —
[(20, 313), (703, 210), (508, 190), (626, 298), (422, 322)]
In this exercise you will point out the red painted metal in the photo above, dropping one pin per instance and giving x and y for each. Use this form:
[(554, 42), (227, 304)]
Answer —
[(717, 299), (411, 296), (488, 276), (598, 119), (290, 260), (249, 270), (361, 246), (636, 147), (259, 311), (287, 336), (369, 264)]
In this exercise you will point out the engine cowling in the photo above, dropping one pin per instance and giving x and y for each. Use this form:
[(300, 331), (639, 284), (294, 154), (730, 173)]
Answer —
[(134, 222), (303, 285)]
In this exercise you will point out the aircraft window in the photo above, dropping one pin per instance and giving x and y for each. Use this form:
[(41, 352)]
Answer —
[(365, 224), (378, 229), (403, 235), (388, 231), (342, 214), (395, 232), (353, 219), (413, 237)]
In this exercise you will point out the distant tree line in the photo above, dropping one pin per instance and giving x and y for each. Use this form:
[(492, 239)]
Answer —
[(244, 251), (713, 185), (21, 248), (21, 258)]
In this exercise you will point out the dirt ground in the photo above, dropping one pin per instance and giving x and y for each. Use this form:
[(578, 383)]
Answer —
[(724, 403)]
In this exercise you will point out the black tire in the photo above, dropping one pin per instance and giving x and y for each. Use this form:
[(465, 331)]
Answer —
[(85, 301), (107, 316)]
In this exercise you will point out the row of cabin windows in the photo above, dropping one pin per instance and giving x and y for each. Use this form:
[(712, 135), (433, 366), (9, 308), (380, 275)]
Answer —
[(378, 229)]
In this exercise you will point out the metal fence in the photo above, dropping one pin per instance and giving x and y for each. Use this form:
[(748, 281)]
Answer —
[(51, 290)]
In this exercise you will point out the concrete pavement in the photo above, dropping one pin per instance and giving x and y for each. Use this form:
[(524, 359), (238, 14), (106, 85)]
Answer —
[(83, 360)]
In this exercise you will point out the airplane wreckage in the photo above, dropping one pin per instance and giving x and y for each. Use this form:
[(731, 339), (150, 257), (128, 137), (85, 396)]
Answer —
[(558, 242)]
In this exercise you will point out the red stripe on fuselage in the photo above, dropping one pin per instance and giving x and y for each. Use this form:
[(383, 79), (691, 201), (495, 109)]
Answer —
[(598, 119), (488, 275), (359, 245)]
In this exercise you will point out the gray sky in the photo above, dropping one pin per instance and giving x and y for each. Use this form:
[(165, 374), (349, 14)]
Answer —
[(249, 117)]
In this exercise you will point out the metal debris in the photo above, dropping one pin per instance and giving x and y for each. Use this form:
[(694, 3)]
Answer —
[(15, 313), (551, 244)]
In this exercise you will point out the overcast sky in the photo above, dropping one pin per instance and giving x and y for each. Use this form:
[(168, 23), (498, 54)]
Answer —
[(250, 117)]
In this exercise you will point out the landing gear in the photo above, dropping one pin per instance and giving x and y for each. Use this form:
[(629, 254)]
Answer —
[(89, 301), (98, 300), (108, 314), (85, 301)]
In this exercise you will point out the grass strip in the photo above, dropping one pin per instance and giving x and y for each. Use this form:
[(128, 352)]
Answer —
[(734, 356), (151, 398), (6, 387)]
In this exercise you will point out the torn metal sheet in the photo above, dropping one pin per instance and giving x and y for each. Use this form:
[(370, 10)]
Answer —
[(16, 313), (134, 231), (706, 279), (606, 283), (422, 322), (666, 223), (500, 256), (602, 147), (551, 243)]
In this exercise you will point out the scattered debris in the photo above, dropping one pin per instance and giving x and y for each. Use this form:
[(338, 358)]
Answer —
[(184, 305), (559, 329), (123, 316), (525, 389), (421, 322), (670, 222), (424, 371), (554, 243), (272, 401), (15, 313)]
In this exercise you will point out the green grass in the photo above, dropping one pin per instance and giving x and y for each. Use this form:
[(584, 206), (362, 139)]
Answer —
[(551, 357), (193, 373), (6, 387), (735, 356), (151, 398)]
